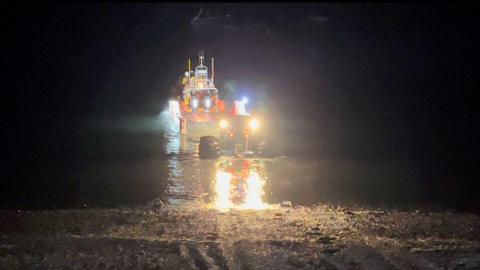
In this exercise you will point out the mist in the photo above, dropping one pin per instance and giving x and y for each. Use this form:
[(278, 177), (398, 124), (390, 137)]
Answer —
[(90, 81)]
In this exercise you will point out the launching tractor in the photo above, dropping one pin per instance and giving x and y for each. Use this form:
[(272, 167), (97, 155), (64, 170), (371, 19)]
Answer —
[(222, 127)]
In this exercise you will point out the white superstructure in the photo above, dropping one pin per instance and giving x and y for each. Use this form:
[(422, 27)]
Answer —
[(199, 89)]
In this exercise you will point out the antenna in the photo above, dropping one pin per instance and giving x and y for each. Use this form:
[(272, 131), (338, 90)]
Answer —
[(189, 67), (201, 55)]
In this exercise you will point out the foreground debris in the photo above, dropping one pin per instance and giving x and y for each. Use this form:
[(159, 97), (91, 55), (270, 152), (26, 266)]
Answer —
[(196, 237)]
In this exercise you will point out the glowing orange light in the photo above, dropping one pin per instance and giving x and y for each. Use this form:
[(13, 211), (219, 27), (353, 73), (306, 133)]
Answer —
[(254, 124), (253, 200), (253, 193), (223, 124), (222, 190)]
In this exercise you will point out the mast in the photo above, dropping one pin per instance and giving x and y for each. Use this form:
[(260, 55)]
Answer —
[(213, 70), (201, 58), (189, 67)]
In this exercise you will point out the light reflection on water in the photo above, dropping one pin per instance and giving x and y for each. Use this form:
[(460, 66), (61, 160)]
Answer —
[(222, 184), (225, 183), (178, 152), (238, 187), (255, 192), (175, 166), (301, 181)]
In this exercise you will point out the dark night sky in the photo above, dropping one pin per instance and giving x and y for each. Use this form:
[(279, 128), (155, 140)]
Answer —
[(377, 79)]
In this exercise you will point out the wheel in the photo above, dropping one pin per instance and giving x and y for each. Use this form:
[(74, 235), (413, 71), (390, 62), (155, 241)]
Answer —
[(264, 149), (208, 148)]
